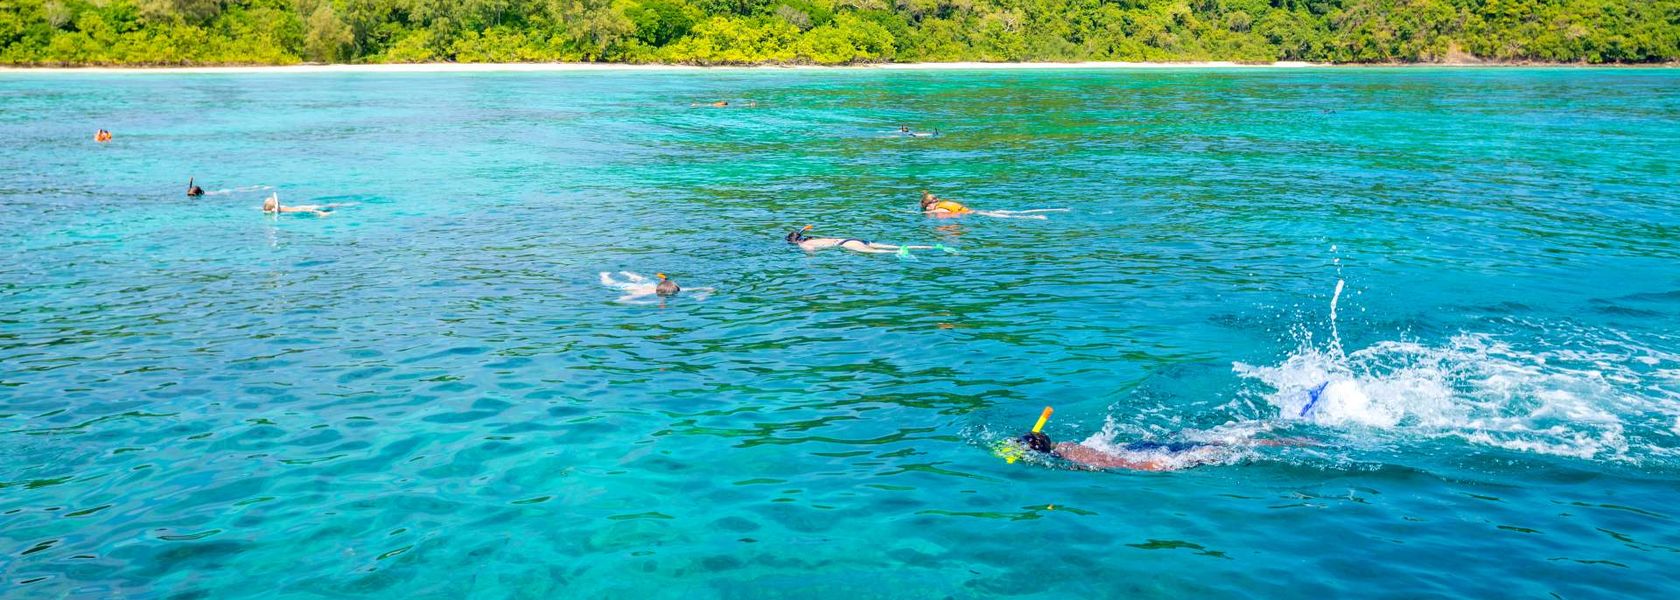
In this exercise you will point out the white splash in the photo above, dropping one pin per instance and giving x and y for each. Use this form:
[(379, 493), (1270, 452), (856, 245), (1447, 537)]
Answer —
[(1585, 399), (1473, 387)]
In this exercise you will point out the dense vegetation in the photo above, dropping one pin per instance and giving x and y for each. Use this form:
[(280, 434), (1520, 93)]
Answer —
[(158, 32)]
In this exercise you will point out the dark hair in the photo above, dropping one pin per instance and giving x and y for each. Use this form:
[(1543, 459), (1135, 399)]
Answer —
[(1037, 442), (796, 236)]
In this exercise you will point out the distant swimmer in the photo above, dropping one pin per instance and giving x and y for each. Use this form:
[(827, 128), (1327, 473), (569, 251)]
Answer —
[(907, 132), (812, 244), (941, 208), (272, 205), (193, 191), (637, 288), (718, 104), (102, 136)]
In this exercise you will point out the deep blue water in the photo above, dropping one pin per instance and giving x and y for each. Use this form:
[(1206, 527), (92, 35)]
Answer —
[(430, 393)]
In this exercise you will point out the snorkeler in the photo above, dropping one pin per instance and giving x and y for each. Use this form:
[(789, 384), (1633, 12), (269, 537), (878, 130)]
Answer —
[(666, 287), (1143, 455), (272, 205), (1136, 456), (941, 208), (813, 244), (637, 288), (102, 136), (193, 191), (718, 104)]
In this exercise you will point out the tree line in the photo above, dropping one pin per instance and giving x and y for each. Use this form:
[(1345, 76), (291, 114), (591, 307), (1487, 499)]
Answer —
[(830, 32)]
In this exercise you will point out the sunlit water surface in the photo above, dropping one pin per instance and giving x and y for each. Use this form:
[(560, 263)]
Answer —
[(431, 394)]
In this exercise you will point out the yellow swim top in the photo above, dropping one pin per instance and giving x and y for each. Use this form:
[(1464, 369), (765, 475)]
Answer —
[(950, 206)]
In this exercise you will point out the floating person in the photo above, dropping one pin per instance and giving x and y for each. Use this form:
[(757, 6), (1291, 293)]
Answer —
[(1136, 456), (1145, 455), (666, 287), (193, 191), (812, 244), (102, 136), (941, 208), (905, 131), (718, 104), (272, 205), (637, 288)]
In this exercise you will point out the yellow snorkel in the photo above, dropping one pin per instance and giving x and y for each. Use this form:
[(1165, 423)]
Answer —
[(1010, 451)]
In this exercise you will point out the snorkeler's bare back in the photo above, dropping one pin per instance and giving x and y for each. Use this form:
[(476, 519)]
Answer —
[(1097, 459)]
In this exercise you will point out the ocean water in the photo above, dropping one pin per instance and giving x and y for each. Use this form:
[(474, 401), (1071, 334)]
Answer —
[(431, 393)]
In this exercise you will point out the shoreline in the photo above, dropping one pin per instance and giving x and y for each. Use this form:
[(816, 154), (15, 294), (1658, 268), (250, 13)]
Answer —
[(444, 67)]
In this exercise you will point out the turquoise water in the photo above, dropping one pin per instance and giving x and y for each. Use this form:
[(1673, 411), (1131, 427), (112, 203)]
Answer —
[(430, 393)]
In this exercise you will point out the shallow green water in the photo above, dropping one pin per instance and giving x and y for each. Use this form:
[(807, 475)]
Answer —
[(431, 393)]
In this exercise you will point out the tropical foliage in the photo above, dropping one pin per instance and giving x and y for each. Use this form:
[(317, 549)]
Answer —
[(177, 32)]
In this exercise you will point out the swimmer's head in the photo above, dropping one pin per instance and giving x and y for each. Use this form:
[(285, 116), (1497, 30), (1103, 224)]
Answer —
[(271, 203), (1036, 441), (798, 235)]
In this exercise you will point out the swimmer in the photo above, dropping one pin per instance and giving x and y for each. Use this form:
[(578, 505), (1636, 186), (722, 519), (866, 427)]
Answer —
[(941, 208), (637, 288), (1141, 455), (102, 136), (938, 207), (193, 191), (272, 205), (812, 244), (718, 104)]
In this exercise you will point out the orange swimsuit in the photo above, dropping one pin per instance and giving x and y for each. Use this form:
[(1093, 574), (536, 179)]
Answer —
[(951, 207)]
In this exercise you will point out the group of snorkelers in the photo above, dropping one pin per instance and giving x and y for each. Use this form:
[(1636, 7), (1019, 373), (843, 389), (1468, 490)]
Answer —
[(102, 136), (931, 205), (1141, 455), (271, 204)]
